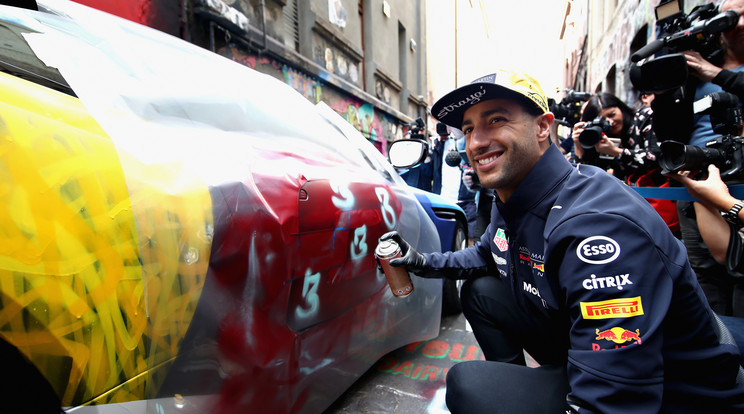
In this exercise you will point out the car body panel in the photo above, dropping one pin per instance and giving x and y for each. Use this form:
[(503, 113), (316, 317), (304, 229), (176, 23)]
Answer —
[(445, 215), (175, 239)]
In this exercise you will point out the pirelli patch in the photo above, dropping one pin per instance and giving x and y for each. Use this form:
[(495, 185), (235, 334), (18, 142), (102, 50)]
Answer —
[(613, 308)]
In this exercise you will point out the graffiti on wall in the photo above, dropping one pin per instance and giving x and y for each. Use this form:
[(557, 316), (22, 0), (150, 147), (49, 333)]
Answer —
[(361, 115), (307, 86), (631, 18)]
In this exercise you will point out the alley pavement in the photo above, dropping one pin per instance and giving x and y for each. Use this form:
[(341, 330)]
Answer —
[(411, 379)]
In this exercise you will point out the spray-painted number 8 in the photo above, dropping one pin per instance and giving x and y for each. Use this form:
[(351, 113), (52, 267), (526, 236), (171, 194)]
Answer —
[(385, 208), (310, 295)]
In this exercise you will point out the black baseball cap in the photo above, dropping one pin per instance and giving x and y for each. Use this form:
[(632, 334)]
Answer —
[(500, 84)]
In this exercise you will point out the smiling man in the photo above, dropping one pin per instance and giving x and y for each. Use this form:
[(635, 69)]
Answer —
[(577, 270)]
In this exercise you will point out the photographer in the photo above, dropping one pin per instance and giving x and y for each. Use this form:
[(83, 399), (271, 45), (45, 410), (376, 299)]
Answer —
[(722, 238), (716, 78), (713, 277), (426, 176), (567, 113), (629, 154)]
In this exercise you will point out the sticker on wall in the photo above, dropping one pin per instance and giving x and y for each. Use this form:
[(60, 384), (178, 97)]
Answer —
[(329, 59), (342, 66), (337, 13)]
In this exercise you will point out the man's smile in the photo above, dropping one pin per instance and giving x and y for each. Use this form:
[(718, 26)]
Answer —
[(489, 158)]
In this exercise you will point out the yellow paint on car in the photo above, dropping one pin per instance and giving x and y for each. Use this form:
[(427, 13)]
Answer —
[(99, 277)]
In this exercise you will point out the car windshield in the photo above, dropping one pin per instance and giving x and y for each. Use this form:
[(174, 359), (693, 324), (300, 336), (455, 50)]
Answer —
[(161, 99)]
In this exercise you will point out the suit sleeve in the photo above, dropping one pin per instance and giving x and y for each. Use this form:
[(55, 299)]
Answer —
[(731, 81), (617, 288), (468, 263)]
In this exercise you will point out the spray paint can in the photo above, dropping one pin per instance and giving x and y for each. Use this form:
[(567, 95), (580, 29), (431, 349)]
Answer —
[(397, 277)]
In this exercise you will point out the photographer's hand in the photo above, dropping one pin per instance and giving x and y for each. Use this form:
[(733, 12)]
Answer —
[(699, 67), (578, 128), (607, 147), (712, 191), (468, 178)]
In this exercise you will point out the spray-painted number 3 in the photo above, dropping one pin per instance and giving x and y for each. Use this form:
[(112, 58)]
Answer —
[(310, 295), (385, 208)]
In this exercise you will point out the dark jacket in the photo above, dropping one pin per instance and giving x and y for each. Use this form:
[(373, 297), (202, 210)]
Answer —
[(584, 251)]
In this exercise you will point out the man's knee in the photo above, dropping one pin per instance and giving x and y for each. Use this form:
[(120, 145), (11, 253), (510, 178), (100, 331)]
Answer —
[(460, 387)]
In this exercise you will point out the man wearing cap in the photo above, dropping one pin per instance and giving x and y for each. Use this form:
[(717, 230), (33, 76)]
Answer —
[(577, 270)]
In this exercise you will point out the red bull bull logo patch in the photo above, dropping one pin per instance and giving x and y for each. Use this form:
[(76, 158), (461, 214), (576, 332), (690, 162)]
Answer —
[(613, 308), (621, 338), (618, 335)]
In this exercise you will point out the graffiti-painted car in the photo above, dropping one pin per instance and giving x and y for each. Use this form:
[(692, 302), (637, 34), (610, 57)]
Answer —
[(183, 234)]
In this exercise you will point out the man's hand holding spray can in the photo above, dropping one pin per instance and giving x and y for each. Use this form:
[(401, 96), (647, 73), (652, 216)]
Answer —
[(396, 256)]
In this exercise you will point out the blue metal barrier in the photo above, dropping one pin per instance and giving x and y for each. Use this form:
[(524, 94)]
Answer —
[(680, 193)]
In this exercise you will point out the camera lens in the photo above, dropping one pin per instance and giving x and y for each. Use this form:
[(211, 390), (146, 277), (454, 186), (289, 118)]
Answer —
[(589, 137), (676, 156), (593, 131)]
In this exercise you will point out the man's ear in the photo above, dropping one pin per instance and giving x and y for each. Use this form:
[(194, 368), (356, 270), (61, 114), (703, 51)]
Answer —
[(543, 123)]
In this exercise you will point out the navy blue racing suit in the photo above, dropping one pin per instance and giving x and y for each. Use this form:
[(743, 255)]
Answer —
[(585, 255)]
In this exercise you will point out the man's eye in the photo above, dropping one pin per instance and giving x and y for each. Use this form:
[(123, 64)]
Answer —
[(467, 130)]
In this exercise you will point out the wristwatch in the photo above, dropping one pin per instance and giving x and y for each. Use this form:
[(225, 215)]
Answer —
[(732, 216)]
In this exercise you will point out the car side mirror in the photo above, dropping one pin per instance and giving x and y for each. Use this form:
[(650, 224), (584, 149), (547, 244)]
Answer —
[(405, 153)]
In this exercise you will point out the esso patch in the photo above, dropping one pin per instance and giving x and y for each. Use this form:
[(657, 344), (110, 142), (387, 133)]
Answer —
[(598, 250)]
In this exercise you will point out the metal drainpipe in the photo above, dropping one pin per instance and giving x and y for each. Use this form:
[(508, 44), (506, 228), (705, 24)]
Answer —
[(364, 61), (185, 35), (262, 3), (212, 45)]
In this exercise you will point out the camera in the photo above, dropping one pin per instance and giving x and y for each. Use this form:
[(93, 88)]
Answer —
[(442, 129), (415, 129), (667, 75), (696, 31), (568, 111), (725, 152), (593, 131)]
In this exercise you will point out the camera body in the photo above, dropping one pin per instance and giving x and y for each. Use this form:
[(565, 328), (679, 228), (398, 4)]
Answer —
[(568, 111), (725, 152), (696, 31), (415, 129), (442, 129), (593, 131)]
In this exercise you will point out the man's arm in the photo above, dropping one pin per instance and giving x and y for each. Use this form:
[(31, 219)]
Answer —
[(728, 80), (463, 264), (617, 292)]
